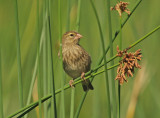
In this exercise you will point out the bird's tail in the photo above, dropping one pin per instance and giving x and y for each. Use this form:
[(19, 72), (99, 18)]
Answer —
[(87, 85)]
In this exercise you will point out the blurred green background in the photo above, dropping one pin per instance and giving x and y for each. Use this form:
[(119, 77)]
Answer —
[(139, 96)]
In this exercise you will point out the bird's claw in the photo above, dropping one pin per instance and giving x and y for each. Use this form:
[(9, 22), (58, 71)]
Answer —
[(71, 83), (83, 76)]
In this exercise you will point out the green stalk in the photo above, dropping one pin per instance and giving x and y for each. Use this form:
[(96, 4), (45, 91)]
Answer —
[(79, 79), (72, 102), (144, 37), (119, 87), (53, 99), (78, 15), (63, 96), (38, 73), (61, 61), (49, 75), (111, 81), (105, 66), (44, 59), (1, 94), (120, 37), (20, 85), (67, 29), (80, 105), (68, 15), (49, 61)]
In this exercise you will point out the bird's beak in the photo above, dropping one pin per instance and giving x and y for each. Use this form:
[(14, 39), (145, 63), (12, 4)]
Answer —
[(78, 36)]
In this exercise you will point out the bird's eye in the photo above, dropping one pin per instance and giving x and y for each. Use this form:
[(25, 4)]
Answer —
[(71, 34)]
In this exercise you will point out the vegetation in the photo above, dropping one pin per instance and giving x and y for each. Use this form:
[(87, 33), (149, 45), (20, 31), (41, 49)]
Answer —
[(31, 73)]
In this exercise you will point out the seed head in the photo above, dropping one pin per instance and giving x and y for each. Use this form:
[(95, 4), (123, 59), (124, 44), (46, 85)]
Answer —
[(127, 64), (121, 7)]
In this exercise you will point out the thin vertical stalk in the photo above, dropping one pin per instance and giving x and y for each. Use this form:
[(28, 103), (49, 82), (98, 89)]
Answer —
[(72, 102), (105, 66), (1, 94), (120, 34), (119, 87), (38, 73), (78, 15), (53, 99), (111, 81), (49, 76), (80, 105), (62, 96), (20, 85), (119, 99), (68, 15), (49, 108), (61, 62), (44, 58)]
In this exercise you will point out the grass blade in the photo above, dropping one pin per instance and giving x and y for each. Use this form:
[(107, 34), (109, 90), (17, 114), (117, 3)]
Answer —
[(44, 58), (38, 72), (53, 99), (72, 102), (111, 81), (119, 87), (20, 85), (61, 61), (103, 49), (1, 94)]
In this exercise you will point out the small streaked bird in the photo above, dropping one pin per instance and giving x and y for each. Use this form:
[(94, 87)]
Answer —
[(76, 61)]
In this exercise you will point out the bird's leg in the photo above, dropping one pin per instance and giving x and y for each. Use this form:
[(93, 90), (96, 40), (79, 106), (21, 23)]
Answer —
[(83, 76), (71, 83)]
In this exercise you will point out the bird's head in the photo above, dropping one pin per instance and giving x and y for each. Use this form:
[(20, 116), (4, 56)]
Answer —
[(71, 37)]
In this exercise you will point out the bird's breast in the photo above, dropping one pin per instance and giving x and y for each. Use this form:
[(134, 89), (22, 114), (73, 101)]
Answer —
[(75, 61)]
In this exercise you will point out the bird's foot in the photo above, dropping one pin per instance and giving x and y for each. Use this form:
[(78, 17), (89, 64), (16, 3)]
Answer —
[(71, 83), (83, 76)]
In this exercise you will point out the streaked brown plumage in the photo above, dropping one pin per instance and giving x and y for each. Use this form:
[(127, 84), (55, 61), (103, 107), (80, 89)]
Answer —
[(76, 61)]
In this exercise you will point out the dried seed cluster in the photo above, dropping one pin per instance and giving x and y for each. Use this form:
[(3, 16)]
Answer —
[(121, 7), (127, 64)]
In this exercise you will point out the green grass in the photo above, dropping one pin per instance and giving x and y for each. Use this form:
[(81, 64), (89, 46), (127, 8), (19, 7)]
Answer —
[(88, 75), (108, 89), (20, 84), (1, 97), (55, 19)]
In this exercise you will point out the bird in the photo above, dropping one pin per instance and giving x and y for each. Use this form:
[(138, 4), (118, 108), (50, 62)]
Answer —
[(76, 61)]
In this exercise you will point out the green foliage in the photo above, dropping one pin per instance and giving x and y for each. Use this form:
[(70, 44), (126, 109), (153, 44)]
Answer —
[(93, 103)]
